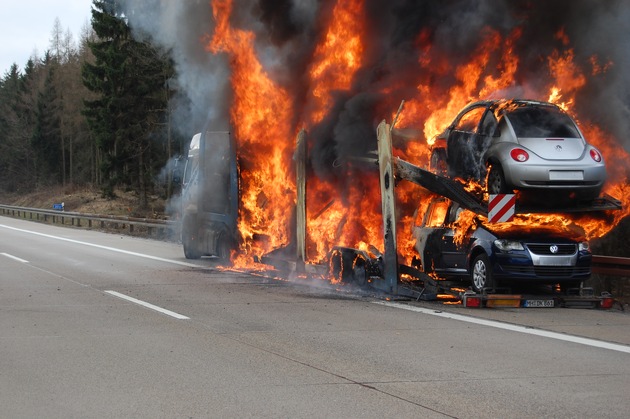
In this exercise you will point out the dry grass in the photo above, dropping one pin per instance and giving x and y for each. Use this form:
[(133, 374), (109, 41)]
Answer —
[(89, 200)]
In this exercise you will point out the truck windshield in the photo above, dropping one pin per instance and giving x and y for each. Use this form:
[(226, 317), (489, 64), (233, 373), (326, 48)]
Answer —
[(191, 165)]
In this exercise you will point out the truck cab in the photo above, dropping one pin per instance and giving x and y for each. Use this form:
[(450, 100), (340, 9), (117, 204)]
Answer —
[(210, 196)]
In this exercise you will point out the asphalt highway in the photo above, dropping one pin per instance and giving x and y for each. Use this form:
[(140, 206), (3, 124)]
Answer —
[(97, 325)]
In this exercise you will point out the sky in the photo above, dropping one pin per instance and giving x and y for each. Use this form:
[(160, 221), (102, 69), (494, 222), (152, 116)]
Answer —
[(26, 26)]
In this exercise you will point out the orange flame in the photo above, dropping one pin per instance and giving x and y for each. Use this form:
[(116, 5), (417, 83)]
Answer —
[(261, 122), (265, 119), (336, 58)]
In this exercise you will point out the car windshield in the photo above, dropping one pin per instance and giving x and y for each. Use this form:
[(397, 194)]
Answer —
[(542, 122)]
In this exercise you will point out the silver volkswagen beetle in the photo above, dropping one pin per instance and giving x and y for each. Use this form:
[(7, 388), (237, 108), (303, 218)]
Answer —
[(520, 145)]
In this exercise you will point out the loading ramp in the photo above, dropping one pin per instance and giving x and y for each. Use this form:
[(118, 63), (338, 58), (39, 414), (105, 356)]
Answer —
[(455, 191)]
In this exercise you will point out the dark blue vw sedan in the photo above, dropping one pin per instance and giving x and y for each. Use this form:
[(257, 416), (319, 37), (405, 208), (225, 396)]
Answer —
[(489, 256)]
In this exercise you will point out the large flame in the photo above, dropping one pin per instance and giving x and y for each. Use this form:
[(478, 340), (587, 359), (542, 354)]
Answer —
[(337, 57), (261, 121), (266, 116)]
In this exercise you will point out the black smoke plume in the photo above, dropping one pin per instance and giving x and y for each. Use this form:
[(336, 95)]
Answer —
[(288, 30)]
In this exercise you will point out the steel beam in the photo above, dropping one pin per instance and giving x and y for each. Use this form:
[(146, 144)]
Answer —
[(388, 205)]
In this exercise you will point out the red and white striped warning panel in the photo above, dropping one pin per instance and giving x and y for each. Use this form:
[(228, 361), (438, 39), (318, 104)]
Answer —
[(501, 208)]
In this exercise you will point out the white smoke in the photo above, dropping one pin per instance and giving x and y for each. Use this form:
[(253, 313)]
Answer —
[(201, 77)]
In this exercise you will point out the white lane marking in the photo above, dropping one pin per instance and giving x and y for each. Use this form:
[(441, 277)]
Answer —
[(112, 249), (512, 327), (148, 305), (14, 257)]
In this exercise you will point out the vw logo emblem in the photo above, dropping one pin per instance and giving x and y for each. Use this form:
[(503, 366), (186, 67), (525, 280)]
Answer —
[(558, 148), (553, 249)]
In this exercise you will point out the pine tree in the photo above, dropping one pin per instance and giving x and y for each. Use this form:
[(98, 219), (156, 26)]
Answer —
[(129, 78), (15, 151), (107, 114), (47, 141)]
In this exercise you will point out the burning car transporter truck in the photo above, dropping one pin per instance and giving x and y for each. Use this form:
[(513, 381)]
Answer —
[(211, 200)]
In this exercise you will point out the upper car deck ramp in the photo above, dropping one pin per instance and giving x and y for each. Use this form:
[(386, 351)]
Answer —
[(455, 191)]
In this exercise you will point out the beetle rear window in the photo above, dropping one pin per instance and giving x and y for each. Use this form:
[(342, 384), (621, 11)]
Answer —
[(538, 122)]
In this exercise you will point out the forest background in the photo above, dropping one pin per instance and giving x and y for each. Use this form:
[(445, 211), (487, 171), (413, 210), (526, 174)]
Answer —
[(90, 114)]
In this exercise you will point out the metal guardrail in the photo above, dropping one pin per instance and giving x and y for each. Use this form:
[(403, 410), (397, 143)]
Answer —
[(611, 265), (165, 229)]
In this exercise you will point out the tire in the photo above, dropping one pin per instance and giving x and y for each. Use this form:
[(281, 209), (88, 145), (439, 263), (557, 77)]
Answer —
[(335, 266), (359, 275), (341, 268), (481, 273), (190, 239), (495, 182), (438, 164), (224, 249)]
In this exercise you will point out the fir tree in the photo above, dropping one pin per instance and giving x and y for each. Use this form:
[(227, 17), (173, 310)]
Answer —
[(129, 78)]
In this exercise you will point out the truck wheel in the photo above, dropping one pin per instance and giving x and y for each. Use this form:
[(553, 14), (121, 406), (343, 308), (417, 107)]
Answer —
[(496, 181), (224, 249), (481, 273), (359, 275), (343, 267), (335, 266), (190, 240)]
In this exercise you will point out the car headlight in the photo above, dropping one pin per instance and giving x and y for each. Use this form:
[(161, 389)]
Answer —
[(584, 247), (507, 245)]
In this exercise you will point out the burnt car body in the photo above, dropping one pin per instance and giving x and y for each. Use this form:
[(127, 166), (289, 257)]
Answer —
[(520, 145), (497, 255)]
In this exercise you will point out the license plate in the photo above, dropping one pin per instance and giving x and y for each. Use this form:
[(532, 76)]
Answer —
[(539, 303), (566, 175)]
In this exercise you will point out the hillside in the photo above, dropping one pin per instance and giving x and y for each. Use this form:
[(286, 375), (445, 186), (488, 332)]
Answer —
[(88, 200)]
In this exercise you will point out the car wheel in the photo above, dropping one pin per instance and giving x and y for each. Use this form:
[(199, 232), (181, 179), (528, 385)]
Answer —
[(496, 181), (481, 273), (438, 164)]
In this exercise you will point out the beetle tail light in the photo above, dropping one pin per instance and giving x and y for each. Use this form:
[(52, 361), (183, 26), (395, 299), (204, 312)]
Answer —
[(519, 155), (595, 155)]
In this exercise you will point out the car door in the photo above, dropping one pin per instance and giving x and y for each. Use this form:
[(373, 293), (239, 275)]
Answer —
[(463, 144), (429, 234), (454, 252)]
